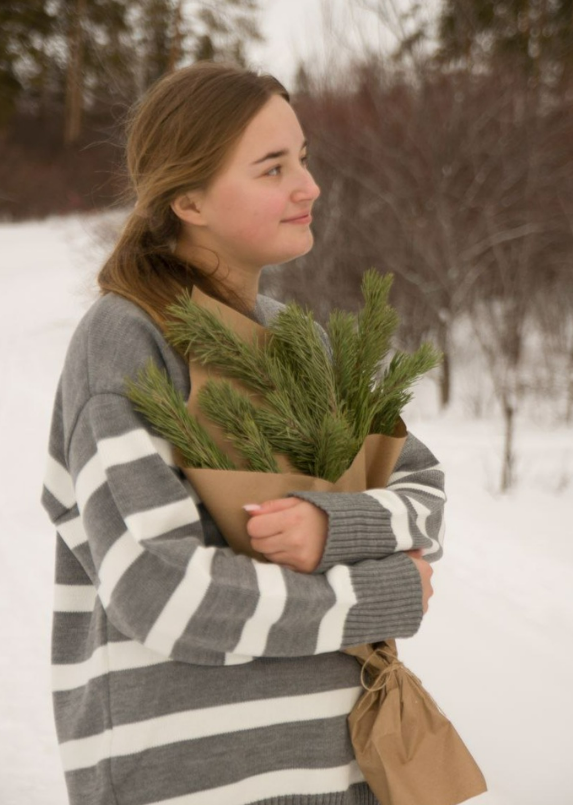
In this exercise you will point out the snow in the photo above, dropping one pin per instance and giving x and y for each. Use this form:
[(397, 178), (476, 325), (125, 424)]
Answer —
[(495, 649)]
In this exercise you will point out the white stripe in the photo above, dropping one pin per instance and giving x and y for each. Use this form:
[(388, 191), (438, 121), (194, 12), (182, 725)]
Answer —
[(422, 514), (131, 446), (89, 480), (270, 607), (120, 656), (189, 725), (289, 782), (93, 474), (397, 476), (237, 659), (73, 532), (122, 554), (161, 519), (332, 624), (74, 598), (398, 516), (58, 482), (183, 603), (428, 490)]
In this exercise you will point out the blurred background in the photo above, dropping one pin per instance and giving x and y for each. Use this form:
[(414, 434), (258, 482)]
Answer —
[(441, 135)]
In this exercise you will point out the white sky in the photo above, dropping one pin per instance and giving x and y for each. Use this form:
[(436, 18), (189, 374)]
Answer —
[(294, 30)]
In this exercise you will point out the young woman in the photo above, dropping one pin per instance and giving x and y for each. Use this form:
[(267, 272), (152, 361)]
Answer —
[(184, 673)]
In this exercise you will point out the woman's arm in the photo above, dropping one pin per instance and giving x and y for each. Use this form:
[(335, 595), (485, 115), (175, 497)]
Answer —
[(344, 528), (133, 525)]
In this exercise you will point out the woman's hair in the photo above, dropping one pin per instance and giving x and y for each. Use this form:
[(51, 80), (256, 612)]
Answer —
[(178, 136)]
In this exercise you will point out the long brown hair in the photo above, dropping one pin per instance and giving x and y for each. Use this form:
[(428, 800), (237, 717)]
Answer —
[(178, 136)]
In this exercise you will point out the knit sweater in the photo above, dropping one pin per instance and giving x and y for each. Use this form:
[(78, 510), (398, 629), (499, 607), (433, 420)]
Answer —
[(182, 672)]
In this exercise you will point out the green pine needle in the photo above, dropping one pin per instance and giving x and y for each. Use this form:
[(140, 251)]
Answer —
[(393, 392), (297, 344), (154, 396), (202, 334), (236, 415)]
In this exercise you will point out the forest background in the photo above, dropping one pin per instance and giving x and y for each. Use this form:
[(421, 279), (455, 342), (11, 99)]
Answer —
[(444, 152)]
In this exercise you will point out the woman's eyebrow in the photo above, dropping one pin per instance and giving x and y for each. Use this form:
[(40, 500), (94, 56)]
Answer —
[(277, 154)]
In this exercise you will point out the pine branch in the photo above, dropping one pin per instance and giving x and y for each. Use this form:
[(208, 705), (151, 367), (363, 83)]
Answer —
[(377, 323), (342, 332), (154, 396), (237, 416), (286, 436), (202, 334), (297, 343), (336, 447), (392, 394)]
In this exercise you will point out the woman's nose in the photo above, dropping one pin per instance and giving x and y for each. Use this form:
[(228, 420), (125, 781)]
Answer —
[(307, 188)]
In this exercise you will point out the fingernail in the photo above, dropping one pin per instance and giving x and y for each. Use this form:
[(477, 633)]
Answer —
[(251, 507)]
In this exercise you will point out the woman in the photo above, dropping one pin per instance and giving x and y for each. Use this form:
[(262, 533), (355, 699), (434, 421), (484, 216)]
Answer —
[(184, 673)]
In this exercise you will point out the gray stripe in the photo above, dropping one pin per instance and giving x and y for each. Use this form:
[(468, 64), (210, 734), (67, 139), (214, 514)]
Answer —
[(84, 711), (76, 634), (68, 570), (145, 693), (296, 632), (146, 495)]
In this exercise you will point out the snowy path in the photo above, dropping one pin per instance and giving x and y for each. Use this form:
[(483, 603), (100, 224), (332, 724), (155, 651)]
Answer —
[(496, 649)]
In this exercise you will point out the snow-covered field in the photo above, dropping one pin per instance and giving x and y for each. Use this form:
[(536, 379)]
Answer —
[(496, 649)]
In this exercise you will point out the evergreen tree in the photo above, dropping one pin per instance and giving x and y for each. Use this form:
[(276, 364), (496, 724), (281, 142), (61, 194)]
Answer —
[(536, 35), (25, 28)]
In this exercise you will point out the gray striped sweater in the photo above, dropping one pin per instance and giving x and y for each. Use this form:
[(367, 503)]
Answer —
[(184, 674)]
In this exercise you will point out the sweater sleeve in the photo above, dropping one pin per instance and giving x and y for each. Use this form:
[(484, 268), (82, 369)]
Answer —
[(140, 538), (407, 514)]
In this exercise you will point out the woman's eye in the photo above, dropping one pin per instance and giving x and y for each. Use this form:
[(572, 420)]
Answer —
[(277, 169)]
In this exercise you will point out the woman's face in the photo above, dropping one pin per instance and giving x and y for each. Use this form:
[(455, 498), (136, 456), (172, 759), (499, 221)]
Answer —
[(256, 212)]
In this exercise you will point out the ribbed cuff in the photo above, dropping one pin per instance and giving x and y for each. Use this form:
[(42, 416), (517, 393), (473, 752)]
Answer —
[(389, 594), (358, 528)]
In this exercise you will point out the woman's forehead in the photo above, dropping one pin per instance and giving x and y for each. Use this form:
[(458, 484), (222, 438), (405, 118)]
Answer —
[(273, 130)]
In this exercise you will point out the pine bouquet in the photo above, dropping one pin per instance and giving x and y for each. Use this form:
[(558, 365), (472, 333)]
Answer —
[(313, 414), (283, 409)]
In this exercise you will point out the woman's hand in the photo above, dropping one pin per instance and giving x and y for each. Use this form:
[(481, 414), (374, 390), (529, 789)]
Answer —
[(289, 532), (425, 571)]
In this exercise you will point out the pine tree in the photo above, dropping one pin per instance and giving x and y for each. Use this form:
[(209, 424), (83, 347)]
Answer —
[(534, 34)]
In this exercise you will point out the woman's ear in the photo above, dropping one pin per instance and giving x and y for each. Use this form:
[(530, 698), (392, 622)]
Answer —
[(187, 207)]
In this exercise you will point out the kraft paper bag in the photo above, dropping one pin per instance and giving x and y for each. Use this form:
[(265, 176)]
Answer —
[(408, 751)]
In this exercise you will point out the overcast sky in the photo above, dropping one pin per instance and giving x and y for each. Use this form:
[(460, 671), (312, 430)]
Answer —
[(294, 30)]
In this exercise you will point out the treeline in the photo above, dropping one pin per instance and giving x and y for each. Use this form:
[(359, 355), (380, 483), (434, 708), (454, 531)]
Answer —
[(69, 69), (452, 168)]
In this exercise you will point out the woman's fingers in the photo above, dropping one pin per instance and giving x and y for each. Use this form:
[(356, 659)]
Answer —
[(270, 506), (425, 570), (290, 532)]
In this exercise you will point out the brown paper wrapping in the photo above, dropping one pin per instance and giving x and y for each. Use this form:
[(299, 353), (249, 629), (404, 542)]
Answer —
[(407, 750)]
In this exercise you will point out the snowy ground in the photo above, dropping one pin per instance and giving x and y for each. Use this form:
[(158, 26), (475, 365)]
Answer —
[(496, 649)]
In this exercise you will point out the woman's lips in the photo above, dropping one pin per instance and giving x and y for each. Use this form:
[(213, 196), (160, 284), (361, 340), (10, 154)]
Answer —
[(302, 219)]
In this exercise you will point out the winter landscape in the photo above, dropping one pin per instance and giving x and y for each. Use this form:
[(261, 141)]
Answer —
[(496, 648)]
